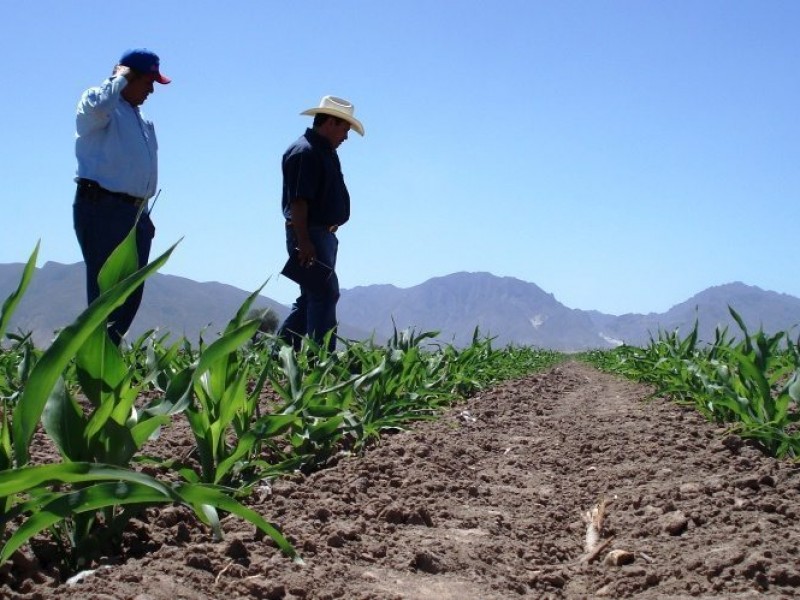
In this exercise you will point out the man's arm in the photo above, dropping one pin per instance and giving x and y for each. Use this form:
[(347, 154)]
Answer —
[(305, 249), (96, 104)]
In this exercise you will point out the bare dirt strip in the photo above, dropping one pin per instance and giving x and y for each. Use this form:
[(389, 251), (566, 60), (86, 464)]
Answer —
[(489, 503)]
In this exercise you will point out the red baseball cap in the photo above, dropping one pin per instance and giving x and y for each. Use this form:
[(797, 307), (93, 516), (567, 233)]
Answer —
[(145, 61)]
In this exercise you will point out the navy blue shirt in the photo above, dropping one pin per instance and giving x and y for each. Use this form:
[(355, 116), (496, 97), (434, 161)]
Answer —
[(311, 170)]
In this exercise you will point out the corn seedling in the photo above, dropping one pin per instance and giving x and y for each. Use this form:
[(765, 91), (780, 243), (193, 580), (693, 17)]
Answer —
[(219, 383), (754, 383), (112, 432)]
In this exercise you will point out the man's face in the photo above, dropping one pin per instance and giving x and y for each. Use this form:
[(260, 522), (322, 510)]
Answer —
[(139, 87), (335, 131)]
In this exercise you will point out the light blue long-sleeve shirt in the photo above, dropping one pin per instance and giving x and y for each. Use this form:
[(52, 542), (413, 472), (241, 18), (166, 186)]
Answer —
[(115, 145)]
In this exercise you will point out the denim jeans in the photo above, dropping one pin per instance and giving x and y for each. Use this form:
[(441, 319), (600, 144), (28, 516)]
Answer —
[(314, 312), (101, 223)]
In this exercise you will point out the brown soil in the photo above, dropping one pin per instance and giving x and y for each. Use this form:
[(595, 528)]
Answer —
[(488, 503)]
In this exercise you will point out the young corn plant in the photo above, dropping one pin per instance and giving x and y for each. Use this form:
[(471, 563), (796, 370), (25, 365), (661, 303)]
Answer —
[(667, 363), (18, 359), (316, 395), (759, 384), (10, 304), (94, 483), (224, 414), (155, 361), (402, 383), (16, 366), (48, 495), (114, 428), (754, 384)]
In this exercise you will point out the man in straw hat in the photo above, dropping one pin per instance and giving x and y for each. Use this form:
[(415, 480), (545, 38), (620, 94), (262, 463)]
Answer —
[(117, 173), (315, 204)]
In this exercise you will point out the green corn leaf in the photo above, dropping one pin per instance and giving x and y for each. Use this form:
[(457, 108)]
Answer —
[(177, 397), (283, 391), (55, 359), (99, 419), (189, 474), (233, 399), (265, 373), (241, 314), (751, 375), (6, 459), (101, 368), (116, 442), (325, 430), (740, 322), (208, 514), (793, 388), (25, 479), (243, 446), (214, 435), (206, 495), (201, 428), (290, 370), (273, 425), (10, 304), (288, 465), (211, 384), (123, 261), (144, 430), (64, 422), (322, 410), (125, 396), (88, 499), (224, 345)]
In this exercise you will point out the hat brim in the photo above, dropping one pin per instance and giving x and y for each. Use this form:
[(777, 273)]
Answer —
[(354, 123)]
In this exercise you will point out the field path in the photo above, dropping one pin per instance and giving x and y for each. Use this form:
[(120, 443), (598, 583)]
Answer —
[(488, 503)]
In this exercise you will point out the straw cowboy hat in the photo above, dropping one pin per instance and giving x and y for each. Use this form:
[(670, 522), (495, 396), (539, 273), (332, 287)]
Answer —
[(336, 107)]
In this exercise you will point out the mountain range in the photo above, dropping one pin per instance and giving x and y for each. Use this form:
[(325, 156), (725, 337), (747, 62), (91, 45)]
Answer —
[(509, 310)]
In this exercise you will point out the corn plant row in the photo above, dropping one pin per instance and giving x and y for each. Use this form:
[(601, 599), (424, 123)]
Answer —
[(256, 410), (751, 382)]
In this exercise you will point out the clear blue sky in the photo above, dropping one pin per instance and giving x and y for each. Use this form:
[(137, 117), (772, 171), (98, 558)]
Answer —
[(622, 155)]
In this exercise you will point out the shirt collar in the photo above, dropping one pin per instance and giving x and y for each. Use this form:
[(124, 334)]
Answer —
[(317, 140)]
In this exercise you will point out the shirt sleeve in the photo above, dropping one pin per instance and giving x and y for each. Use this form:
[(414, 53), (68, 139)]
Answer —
[(303, 174), (97, 104)]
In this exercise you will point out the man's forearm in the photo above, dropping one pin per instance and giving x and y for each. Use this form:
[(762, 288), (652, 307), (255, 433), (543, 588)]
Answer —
[(299, 212)]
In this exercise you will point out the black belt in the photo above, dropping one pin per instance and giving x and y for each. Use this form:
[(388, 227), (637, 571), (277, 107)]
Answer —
[(330, 228), (92, 185)]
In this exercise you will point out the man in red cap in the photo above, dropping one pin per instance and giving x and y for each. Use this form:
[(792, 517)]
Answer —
[(117, 172)]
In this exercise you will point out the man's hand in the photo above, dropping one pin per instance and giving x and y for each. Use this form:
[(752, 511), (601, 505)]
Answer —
[(306, 253), (123, 71)]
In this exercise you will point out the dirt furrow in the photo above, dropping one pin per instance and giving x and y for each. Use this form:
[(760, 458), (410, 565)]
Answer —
[(488, 502)]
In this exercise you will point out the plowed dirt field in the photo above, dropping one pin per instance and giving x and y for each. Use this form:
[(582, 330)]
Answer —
[(488, 503)]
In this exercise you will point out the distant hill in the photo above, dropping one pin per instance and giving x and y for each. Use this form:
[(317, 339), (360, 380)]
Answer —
[(517, 312), (56, 296), (511, 310), (759, 309), (508, 309)]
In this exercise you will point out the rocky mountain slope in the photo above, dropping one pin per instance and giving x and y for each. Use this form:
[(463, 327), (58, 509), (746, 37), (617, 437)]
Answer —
[(508, 309)]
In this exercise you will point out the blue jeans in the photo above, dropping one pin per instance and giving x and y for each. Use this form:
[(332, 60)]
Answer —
[(101, 223), (314, 312)]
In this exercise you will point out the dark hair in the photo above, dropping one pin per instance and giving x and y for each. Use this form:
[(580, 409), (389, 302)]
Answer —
[(321, 118)]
